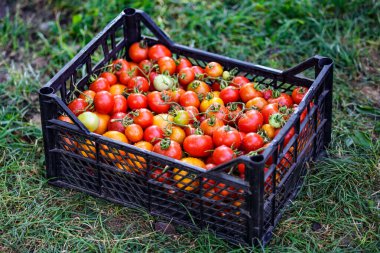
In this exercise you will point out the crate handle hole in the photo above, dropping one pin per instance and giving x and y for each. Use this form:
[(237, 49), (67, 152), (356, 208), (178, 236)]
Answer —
[(324, 62), (257, 158), (46, 90), (129, 11)]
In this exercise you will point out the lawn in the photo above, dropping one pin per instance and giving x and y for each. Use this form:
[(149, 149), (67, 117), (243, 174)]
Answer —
[(338, 208)]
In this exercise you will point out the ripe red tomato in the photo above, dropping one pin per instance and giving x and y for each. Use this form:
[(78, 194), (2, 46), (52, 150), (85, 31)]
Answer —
[(159, 101), (120, 104), (138, 82), (190, 130), (77, 106), (166, 65), (199, 72), (283, 100), (104, 102), (176, 94), (111, 77), (223, 154), (186, 76), (214, 69), (298, 94), (252, 142), (137, 101), (208, 126), (134, 132), (230, 94), (228, 136), (138, 51), (189, 98), (183, 63), (159, 175), (168, 148), (157, 51), (100, 84), (239, 81), (234, 113), (199, 87), (88, 96), (193, 113), (250, 121), (268, 110), (145, 66), (215, 86), (120, 66), (153, 134), (115, 123), (288, 135), (218, 111), (143, 117), (267, 93), (248, 91), (198, 145), (257, 102)]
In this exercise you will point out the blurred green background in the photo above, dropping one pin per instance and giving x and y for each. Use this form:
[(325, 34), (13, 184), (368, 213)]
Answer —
[(338, 207)]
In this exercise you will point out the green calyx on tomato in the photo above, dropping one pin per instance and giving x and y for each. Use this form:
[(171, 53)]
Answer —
[(165, 143), (276, 120)]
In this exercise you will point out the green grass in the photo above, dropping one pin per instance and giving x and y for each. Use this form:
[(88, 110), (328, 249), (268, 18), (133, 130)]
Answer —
[(341, 193)]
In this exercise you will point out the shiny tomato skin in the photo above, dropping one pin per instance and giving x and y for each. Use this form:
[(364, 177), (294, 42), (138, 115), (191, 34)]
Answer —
[(137, 101), (239, 81), (199, 72), (252, 142), (214, 69), (134, 132), (144, 118), (77, 106), (120, 104), (104, 102), (110, 77), (208, 126), (138, 82), (115, 124), (120, 66), (230, 94), (228, 136), (183, 63), (199, 87), (189, 98), (158, 102), (198, 145), (251, 121), (248, 91), (283, 100), (223, 154), (100, 84), (257, 102), (268, 110), (176, 94), (145, 66), (186, 76), (153, 134), (193, 113), (173, 151), (138, 51), (298, 94), (166, 65), (157, 51)]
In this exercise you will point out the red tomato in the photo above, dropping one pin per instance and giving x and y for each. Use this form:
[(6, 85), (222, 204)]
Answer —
[(251, 121), (143, 117), (267, 93), (168, 148), (248, 91), (152, 76), (190, 130), (215, 86), (198, 145), (160, 175), (138, 51), (199, 87), (183, 63), (111, 77), (186, 76), (88, 96), (228, 136), (268, 110), (283, 100), (153, 134), (214, 69), (193, 113), (288, 135), (166, 65), (223, 154), (104, 102), (77, 106), (157, 51), (252, 142), (115, 123), (120, 66), (199, 72), (257, 102), (138, 82), (137, 101), (218, 111), (209, 125), (120, 104), (189, 98), (145, 66), (159, 101), (298, 94), (176, 94), (234, 113), (230, 94), (100, 84), (239, 81)]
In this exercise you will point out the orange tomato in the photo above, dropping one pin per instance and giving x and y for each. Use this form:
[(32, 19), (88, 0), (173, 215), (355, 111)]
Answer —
[(208, 101), (163, 120), (117, 89), (103, 122), (134, 132), (110, 152), (257, 102), (71, 144), (184, 180), (199, 87), (87, 149), (177, 134), (269, 130)]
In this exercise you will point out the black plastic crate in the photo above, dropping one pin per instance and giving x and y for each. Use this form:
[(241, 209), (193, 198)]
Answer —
[(242, 211)]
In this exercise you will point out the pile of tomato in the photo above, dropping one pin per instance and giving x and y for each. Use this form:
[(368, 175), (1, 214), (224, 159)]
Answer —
[(204, 116)]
